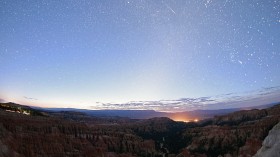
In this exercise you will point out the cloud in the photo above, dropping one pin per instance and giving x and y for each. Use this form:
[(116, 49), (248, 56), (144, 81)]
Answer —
[(229, 100), (29, 98)]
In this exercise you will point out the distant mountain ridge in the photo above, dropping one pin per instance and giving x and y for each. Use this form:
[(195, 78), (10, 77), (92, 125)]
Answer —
[(146, 114)]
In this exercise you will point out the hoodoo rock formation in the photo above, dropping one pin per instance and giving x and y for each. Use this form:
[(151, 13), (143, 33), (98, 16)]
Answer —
[(26, 132)]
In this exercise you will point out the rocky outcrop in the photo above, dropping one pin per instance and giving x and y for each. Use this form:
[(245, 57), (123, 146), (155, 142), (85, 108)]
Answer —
[(239, 134), (271, 144), (239, 117)]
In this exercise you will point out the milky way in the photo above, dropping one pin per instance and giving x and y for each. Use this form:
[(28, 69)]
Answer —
[(71, 53)]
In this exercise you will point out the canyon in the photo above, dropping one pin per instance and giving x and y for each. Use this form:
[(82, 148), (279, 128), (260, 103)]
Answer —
[(29, 132)]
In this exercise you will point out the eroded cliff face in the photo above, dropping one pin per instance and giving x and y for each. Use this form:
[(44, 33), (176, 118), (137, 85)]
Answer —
[(239, 134), (271, 144), (33, 136)]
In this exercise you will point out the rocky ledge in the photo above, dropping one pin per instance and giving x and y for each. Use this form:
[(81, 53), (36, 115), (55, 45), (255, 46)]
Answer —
[(271, 144)]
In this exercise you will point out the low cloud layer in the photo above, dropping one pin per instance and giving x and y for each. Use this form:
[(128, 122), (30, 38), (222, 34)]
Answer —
[(29, 98), (229, 100)]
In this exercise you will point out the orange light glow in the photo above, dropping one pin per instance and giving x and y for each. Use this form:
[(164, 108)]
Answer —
[(180, 118), (196, 120)]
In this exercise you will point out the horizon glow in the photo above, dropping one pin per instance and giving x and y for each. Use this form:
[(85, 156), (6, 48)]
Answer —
[(94, 54)]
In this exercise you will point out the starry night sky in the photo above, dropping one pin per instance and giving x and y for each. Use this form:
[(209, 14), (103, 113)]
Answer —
[(78, 53)]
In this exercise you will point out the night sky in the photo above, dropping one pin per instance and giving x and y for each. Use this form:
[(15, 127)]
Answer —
[(98, 54)]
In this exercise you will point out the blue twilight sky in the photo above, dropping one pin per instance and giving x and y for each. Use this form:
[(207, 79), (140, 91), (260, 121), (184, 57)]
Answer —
[(78, 53)]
